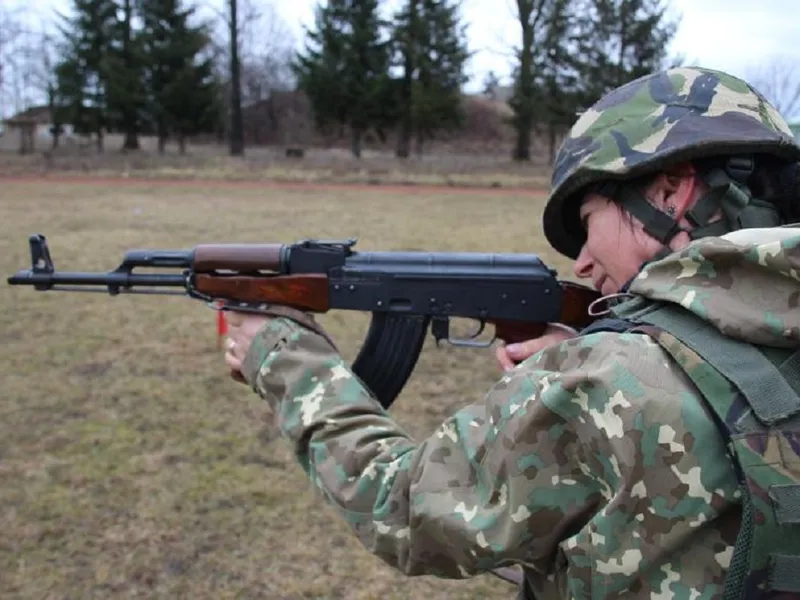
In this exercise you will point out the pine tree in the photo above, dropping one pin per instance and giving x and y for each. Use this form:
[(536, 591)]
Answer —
[(181, 87), (408, 36), (433, 47), (573, 51), (125, 67), (544, 26), (344, 70), (557, 92), (621, 41), (66, 98), (85, 68)]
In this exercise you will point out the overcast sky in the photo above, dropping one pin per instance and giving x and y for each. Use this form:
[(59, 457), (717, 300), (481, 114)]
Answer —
[(733, 35), (726, 34)]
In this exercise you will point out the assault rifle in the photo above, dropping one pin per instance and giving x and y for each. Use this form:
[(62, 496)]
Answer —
[(406, 292)]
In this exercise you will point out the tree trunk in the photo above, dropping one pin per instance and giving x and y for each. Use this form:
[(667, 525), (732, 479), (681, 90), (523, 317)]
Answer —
[(404, 132), (420, 143), (237, 124), (523, 108), (131, 138), (522, 146), (356, 133), (129, 118), (407, 119)]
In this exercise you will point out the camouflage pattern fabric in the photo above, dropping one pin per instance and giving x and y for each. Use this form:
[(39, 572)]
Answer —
[(594, 464), (769, 455), (659, 119)]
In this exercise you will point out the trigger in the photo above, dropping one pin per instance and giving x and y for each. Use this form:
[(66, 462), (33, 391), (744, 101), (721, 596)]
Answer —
[(481, 327)]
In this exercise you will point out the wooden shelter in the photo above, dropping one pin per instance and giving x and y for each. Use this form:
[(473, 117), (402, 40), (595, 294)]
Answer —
[(28, 123)]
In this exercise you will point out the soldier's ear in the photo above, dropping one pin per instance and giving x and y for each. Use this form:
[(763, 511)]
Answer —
[(674, 190)]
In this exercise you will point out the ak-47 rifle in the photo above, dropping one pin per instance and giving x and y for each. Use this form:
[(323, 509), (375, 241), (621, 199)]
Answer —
[(406, 292)]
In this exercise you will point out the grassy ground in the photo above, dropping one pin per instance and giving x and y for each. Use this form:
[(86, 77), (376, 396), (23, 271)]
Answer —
[(131, 465), (487, 167)]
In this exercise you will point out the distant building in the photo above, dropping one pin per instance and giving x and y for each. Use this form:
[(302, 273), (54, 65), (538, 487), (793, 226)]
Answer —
[(503, 93), (32, 126)]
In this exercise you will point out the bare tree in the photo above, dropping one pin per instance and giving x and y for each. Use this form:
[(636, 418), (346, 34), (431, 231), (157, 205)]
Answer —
[(265, 49), (38, 59), (266, 52), (13, 95), (778, 78)]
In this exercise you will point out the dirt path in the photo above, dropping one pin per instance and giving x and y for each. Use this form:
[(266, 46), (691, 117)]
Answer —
[(288, 185)]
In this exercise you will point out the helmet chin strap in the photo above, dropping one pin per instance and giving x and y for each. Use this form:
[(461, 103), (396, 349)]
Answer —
[(727, 192)]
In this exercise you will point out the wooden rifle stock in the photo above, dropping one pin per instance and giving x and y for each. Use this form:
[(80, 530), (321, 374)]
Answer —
[(308, 292)]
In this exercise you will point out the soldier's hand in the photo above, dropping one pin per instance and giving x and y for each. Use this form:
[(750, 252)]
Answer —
[(509, 355), (242, 329)]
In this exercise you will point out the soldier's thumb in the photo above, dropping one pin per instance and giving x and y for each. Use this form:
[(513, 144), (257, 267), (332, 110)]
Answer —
[(523, 350)]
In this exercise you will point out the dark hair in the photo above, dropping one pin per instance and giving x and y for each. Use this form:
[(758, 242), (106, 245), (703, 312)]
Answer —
[(778, 182), (773, 180)]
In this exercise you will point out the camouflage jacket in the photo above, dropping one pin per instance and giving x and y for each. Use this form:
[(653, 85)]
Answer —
[(593, 464)]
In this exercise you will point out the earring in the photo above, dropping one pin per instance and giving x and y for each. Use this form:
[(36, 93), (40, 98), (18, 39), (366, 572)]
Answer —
[(671, 210)]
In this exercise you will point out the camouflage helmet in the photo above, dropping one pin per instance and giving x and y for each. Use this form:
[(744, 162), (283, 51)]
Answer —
[(657, 120)]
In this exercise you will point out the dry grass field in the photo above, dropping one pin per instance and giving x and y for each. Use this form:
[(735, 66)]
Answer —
[(487, 166), (131, 465)]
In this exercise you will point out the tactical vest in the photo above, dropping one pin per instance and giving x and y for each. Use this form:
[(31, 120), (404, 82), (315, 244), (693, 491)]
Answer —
[(753, 392)]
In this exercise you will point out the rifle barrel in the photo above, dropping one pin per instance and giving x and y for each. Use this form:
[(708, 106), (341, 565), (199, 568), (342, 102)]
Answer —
[(113, 281)]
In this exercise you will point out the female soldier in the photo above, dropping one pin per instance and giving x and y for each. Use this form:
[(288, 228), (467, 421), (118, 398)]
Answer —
[(597, 464)]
